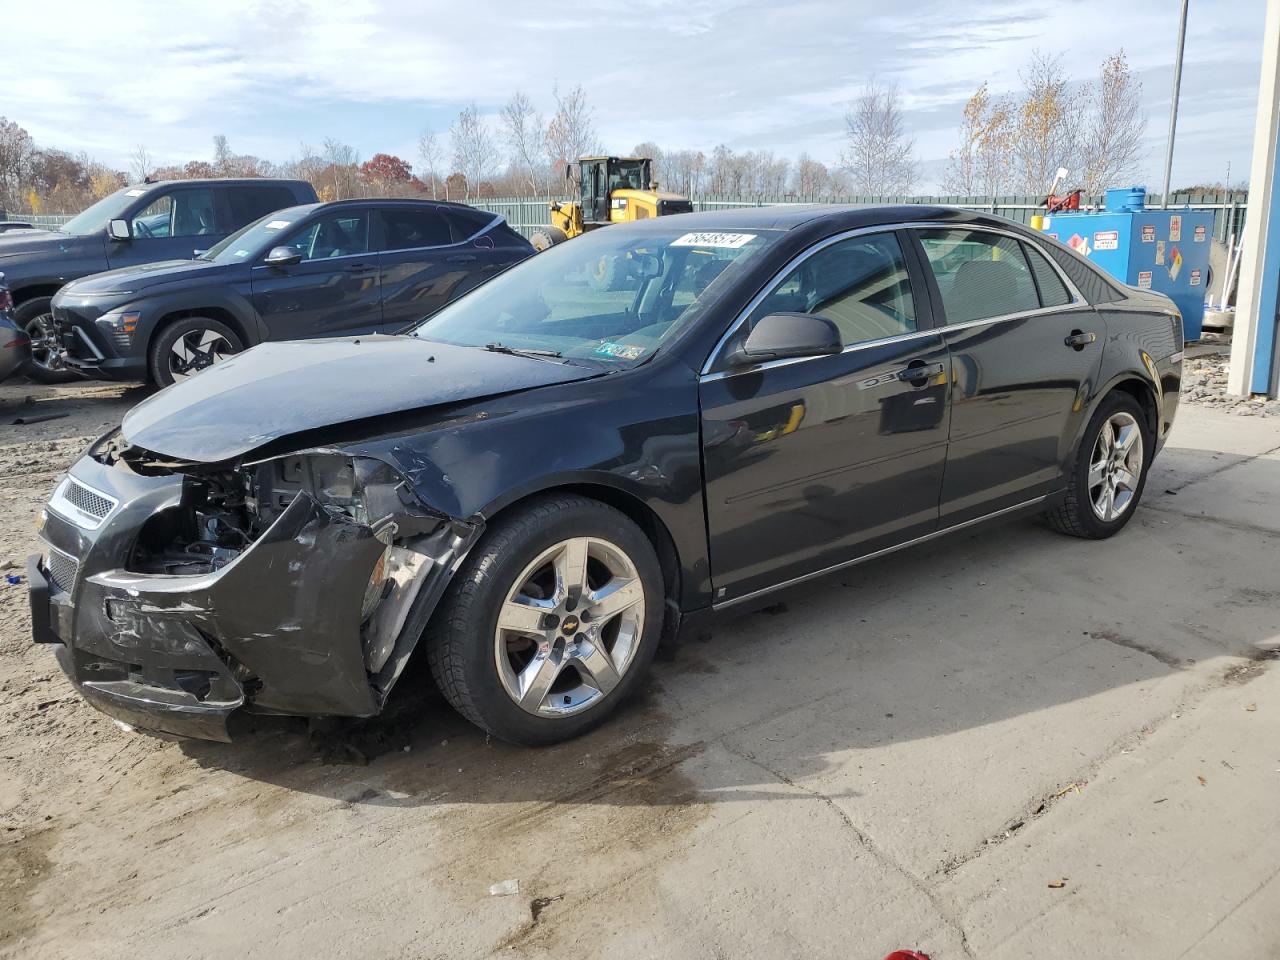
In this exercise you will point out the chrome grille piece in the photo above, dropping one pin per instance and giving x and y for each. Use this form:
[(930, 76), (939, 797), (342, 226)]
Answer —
[(62, 569), (82, 505)]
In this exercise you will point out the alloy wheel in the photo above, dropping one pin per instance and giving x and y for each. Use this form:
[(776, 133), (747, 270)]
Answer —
[(196, 350), (570, 627), (1115, 468), (46, 349)]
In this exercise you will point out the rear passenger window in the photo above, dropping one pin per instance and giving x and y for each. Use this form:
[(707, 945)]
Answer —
[(246, 204), (406, 229), (980, 275), (466, 223), (1053, 292), (859, 284)]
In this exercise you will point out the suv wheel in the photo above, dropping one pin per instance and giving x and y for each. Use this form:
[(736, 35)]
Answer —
[(192, 344), (551, 623), (35, 317), (1110, 471)]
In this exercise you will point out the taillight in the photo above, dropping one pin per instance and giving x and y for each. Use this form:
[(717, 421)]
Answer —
[(6, 299)]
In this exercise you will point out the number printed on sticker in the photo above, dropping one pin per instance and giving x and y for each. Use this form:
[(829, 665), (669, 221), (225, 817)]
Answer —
[(730, 240)]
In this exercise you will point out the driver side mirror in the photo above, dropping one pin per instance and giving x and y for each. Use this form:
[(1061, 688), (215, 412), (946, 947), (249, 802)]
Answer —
[(780, 336), (283, 256), (119, 230)]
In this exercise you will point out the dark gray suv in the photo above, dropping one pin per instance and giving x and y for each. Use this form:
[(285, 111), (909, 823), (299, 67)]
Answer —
[(144, 223)]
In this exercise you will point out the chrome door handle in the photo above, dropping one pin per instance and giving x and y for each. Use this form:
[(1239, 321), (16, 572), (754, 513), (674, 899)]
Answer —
[(1079, 339), (921, 371)]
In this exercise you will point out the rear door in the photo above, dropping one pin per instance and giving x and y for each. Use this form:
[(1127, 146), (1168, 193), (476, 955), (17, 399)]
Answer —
[(1025, 350), (813, 462), (427, 260), (334, 291), (173, 225)]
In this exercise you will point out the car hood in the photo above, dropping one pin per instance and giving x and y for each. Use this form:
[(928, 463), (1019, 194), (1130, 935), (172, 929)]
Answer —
[(17, 242), (279, 389), (143, 276)]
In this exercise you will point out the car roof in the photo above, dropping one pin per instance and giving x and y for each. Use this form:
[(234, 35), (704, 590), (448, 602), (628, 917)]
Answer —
[(845, 216), (220, 181), (308, 208)]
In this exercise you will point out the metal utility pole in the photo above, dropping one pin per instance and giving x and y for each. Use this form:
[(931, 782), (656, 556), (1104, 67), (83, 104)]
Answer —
[(1173, 107)]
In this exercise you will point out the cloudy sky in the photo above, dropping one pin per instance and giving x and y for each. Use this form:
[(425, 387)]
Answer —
[(755, 74)]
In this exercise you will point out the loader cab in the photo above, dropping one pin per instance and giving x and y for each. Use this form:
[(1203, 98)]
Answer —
[(599, 177)]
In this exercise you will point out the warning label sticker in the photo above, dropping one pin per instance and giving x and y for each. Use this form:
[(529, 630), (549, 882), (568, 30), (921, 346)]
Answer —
[(1175, 263), (1195, 278), (1175, 228), (1160, 253), (1149, 233), (1200, 234), (1106, 240), (1144, 279)]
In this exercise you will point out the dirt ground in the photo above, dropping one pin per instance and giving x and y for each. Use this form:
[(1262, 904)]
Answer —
[(1003, 744)]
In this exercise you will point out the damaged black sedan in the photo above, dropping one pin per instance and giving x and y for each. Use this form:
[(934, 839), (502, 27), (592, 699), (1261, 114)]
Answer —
[(555, 474)]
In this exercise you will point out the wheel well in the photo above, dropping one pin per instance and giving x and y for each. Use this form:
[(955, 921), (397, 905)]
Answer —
[(636, 511), (1142, 392), (212, 313), (35, 292)]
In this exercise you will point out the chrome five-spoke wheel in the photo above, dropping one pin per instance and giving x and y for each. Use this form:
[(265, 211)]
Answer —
[(1116, 466), (569, 627)]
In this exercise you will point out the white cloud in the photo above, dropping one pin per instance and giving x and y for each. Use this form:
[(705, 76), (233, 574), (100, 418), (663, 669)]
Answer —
[(751, 73)]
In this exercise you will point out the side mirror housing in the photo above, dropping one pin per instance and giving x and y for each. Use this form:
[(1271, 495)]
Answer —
[(283, 256), (781, 336), (119, 230)]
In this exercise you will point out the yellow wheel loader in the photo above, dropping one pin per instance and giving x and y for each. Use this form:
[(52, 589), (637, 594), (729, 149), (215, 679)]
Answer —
[(610, 190)]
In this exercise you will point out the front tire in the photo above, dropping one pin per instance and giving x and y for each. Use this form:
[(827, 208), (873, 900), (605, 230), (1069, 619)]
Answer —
[(551, 623), (1110, 471), (35, 317), (184, 348)]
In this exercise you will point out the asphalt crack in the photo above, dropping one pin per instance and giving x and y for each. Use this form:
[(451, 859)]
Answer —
[(1129, 643)]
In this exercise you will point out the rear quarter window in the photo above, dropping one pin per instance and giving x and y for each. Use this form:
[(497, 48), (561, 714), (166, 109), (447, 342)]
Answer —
[(465, 223)]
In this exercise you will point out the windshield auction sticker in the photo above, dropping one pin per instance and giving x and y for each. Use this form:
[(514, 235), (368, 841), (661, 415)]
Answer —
[(730, 240)]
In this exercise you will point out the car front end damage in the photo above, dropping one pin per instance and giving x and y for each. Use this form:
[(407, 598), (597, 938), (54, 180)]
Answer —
[(175, 594)]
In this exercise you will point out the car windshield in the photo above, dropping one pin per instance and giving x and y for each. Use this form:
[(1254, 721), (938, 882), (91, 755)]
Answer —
[(611, 296), (254, 238), (95, 218)]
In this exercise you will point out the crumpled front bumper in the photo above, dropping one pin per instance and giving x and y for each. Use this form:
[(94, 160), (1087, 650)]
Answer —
[(278, 629)]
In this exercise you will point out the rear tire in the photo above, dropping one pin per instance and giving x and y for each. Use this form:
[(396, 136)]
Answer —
[(1110, 471), (190, 345), (530, 652), (544, 238), (35, 317)]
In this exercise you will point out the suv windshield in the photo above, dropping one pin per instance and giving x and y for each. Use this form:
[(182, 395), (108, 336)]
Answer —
[(611, 296), (95, 218), (254, 238)]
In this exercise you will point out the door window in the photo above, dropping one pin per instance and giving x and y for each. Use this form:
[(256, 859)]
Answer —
[(182, 213), (1053, 292), (980, 275), (860, 284), (408, 229), (340, 234), (246, 204)]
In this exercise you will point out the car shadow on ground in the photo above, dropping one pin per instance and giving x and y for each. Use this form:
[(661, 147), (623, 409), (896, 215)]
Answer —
[(954, 637)]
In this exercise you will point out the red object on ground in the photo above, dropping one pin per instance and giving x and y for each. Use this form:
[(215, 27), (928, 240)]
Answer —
[(907, 955)]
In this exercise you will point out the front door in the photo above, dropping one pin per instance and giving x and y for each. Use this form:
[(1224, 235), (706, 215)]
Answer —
[(173, 226), (334, 291), (816, 461), (1025, 352)]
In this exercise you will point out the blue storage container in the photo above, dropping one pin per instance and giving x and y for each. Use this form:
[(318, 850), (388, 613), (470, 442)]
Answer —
[(1162, 250), (1126, 200)]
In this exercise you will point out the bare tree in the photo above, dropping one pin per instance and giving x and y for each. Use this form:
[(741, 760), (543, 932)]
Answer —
[(571, 133), (1112, 151), (340, 168), (522, 131), (430, 154), (221, 155), (981, 164), (473, 152), (140, 163), (1046, 124), (811, 177), (878, 153), (16, 151)]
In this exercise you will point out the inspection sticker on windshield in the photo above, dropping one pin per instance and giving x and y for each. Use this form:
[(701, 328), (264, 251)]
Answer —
[(730, 240), (276, 225)]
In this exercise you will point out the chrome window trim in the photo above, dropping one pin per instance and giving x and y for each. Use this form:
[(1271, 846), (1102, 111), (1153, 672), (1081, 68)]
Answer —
[(852, 348), (804, 578), (63, 507), (1077, 299)]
